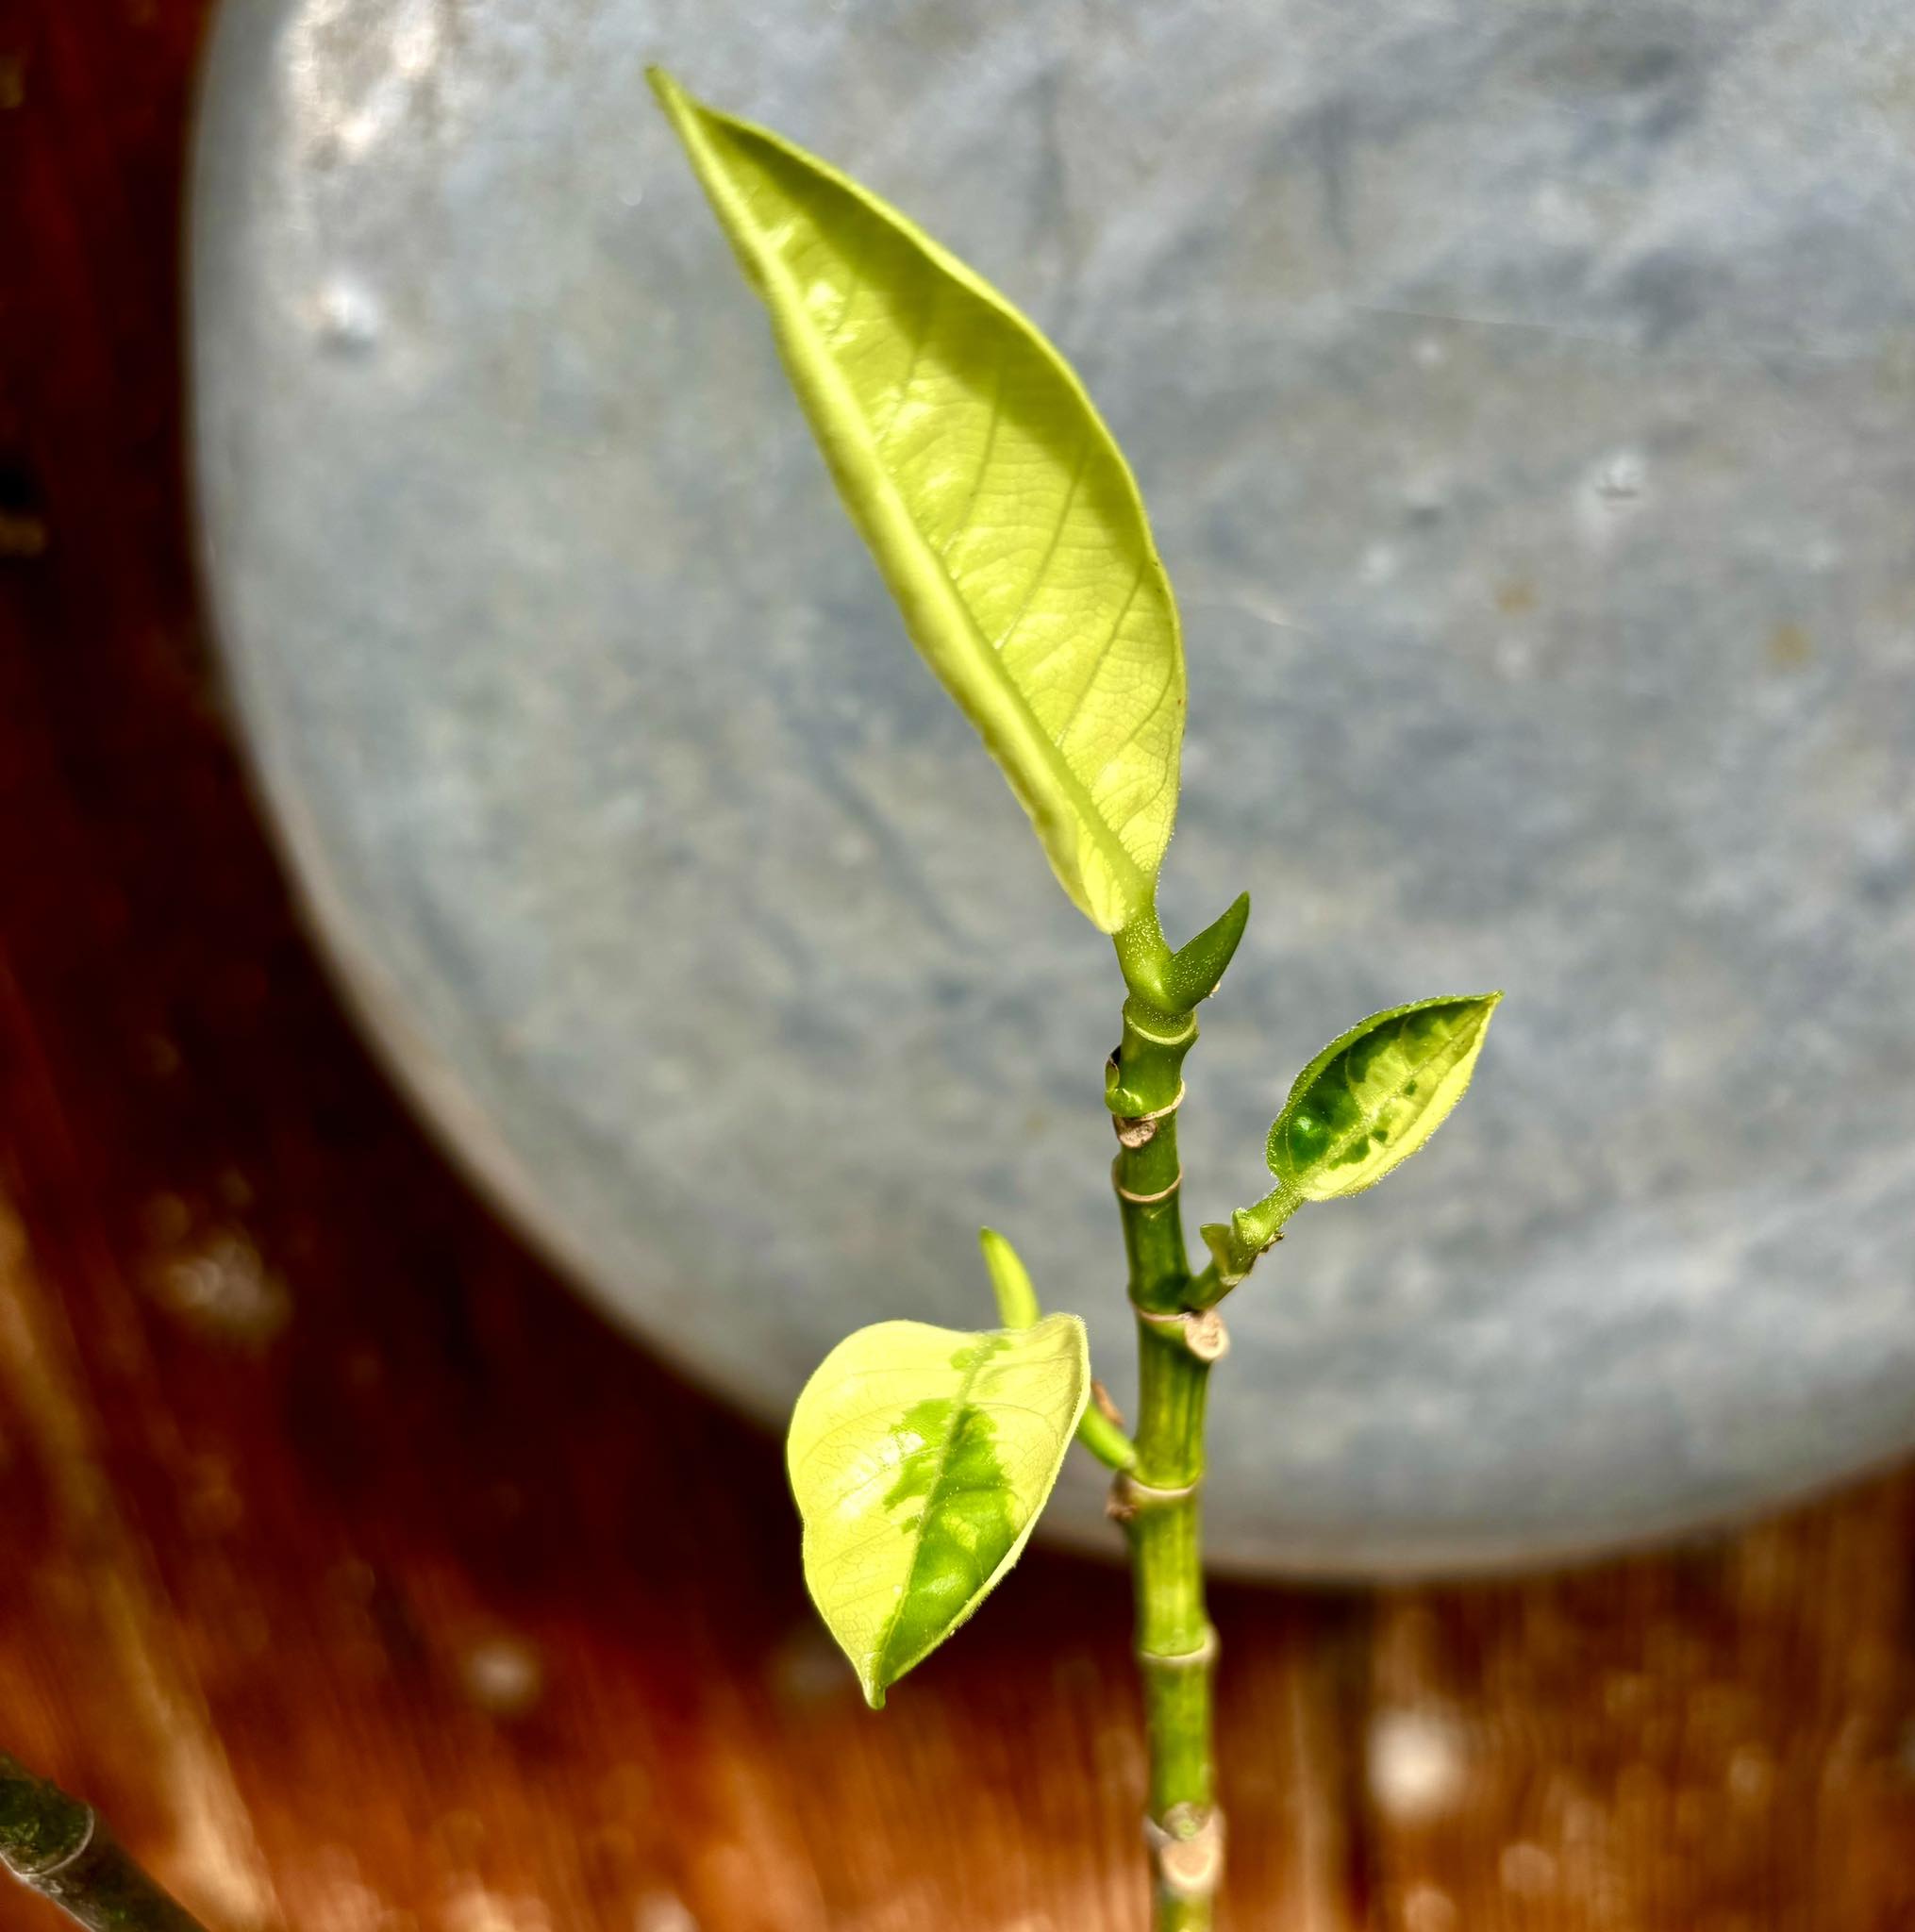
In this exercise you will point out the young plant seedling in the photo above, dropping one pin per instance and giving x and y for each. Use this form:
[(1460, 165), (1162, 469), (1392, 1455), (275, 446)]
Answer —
[(1010, 530)]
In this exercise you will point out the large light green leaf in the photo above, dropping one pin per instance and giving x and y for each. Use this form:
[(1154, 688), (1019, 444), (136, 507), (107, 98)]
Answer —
[(1375, 1094), (920, 1457), (996, 503)]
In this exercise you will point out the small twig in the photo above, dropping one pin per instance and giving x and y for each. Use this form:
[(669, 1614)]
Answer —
[(57, 1846)]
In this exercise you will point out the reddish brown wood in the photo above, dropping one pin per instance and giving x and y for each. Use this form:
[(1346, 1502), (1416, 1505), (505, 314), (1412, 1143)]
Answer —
[(368, 1581), (1718, 1739)]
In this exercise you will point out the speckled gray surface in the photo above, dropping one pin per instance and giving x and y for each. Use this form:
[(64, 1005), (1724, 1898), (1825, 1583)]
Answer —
[(1526, 399)]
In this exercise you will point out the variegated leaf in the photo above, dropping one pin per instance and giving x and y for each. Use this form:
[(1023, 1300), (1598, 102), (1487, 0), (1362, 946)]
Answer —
[(919, 1458)]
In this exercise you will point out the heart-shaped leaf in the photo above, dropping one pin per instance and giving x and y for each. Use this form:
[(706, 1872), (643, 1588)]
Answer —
[(920, 1457), (999, 508), (1375, 1094)]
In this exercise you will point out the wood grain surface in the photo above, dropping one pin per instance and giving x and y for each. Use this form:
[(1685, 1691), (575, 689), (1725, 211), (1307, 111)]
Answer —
[(371, 1584)]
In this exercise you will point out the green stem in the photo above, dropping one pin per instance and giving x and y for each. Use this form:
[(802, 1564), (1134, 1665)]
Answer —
[(58, 1847), (1175, 1643), (1107, 1440)]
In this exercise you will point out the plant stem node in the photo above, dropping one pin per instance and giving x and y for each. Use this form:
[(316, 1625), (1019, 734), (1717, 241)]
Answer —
[(1205, 1336), (1124, 1194), (1129, 1496), (1140, 1129), (1187, 1849), (1206, 1653), (1200, 1330)]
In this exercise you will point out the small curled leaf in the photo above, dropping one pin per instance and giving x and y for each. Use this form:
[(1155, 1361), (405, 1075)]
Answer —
[(919, 1458), (1198, 964), (1010, 1281), (1375, 1094)]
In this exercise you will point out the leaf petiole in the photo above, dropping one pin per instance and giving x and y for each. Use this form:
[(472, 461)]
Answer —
[(1018, 1307)]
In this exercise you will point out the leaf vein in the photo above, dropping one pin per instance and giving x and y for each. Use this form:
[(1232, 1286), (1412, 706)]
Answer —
[(1037, 582)]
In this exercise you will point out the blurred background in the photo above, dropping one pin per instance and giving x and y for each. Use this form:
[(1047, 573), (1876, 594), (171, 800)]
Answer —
[(367, 1578)]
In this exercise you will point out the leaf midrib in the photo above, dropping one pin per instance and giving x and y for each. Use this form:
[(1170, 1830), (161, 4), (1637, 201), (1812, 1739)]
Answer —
[(1415, 1069), (962, 1406), (981, 653)]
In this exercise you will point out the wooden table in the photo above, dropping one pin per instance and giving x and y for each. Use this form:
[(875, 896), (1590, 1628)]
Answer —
[(367, 1580)]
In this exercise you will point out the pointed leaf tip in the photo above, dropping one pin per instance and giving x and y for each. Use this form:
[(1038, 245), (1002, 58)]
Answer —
[(669, 94), (996, 503), (919, 1458), (1017, 1299), (1375, 1094), (1198, 964)]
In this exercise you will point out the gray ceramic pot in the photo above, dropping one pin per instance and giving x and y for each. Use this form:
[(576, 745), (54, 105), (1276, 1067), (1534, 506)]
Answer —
[(1526, 398)]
